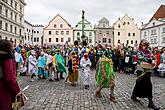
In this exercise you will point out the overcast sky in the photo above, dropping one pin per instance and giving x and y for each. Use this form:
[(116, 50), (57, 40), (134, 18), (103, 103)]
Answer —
[(42, 11)]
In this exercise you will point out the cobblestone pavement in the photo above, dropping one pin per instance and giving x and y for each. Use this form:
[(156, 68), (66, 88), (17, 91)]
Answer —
[(45, 95)]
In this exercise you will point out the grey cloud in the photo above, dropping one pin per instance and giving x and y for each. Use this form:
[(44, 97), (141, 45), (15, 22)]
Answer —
[(42, 11)]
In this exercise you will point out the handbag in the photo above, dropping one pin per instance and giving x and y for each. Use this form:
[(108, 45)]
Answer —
[(19, 102)]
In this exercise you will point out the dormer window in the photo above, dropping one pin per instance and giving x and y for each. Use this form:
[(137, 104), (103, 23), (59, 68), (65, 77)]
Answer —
[(55, 26), (61, 26), (119, 26), (153, 23)]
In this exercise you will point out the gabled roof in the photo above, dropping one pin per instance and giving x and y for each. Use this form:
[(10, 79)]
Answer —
[(160, 13), (104, 20), (61, 18), (85, 21), (145, 25)]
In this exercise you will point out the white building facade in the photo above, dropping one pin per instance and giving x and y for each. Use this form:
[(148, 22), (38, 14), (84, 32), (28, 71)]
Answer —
[(154, 32), (126, 32), (28, 33), (11, 20), (58, 32), (38, 34)]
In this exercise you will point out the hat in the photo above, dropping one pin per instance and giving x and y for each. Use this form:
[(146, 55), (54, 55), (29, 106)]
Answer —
[(33, 52)]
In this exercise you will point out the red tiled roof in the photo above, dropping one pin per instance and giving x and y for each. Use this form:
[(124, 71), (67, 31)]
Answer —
[(160, 13)]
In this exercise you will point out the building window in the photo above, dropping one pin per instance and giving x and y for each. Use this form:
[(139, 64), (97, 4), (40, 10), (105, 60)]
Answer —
[(118, 33), (15, 30), (16, 5), (37, 39), (133, 34), (6, 38), (90, 40), (21, 19), (50, 40), (118, 41), (129, 34), (128, 23), (69, 39), (124, 23), (151, 41), (163, 30), (11, 28), (155, 40), (153, 32), (163, 40), (37, 32), (11, 39), (20, 9), (20, 32), (131, 41), (34, 32), (145, 34), (6, 27), (62, 32), (153, 23), (90, 33), (0, 37), (119, 26), (11, 15), (109, 40), (61, 26), (25, 37), (103, 25), (50, 32), (100, 32), (104, 40), (135, 41), (127, 41), (67, 32), (62, 39), (6, 12), (0, 9), (78, 34), (55, 26), (57, 33), (0, 24), (11, 3), (56, 39), (34, 39), (16, 17)]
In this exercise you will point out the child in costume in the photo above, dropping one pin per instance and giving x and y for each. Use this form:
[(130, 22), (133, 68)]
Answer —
[(85, 63), (105, 76)]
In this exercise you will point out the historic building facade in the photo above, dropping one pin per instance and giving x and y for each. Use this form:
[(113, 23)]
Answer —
[(28, 33), (154, 30), (11, 20), (38, 34), (126, 32), (104, 32), (88, 32), (58, 31)]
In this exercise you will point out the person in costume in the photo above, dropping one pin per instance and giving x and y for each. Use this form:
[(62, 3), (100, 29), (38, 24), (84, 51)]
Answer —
[(32, 63), (105, 76), (51, 63), (157, 57), (18, 59), (72, 69), (85, 63), (41, 66), (60, 64), (24, 69), (92, 58), (143, 87)]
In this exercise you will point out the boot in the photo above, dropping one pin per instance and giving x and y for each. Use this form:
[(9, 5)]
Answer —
[(112, 98), (61, 76), (98, 94), (135, 99), (152, 105)]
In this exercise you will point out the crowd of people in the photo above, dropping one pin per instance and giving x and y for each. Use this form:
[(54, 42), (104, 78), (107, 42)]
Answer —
[(50, 62)]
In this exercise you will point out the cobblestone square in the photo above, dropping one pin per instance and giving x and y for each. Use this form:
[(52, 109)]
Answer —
[(45, 95)]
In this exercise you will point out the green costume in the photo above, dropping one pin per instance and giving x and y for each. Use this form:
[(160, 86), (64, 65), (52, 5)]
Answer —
[(61, 63), (108, 65)]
